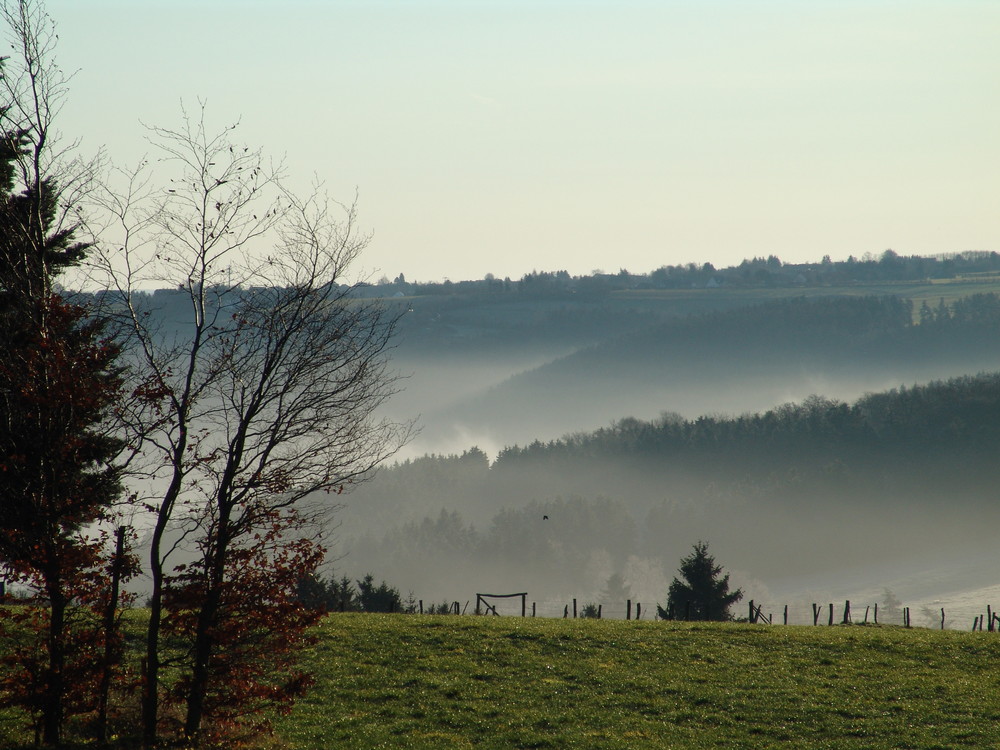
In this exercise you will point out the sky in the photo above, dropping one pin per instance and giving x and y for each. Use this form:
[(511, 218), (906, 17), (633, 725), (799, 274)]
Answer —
[(503, 137)]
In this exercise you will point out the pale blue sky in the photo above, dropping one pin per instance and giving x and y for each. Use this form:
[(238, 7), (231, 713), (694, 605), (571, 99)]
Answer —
[(509, 136)]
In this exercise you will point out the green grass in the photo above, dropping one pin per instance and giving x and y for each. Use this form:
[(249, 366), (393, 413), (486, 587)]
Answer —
[(450, 682), (395, 681)]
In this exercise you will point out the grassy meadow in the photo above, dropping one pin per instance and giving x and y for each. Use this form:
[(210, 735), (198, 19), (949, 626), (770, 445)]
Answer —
[(458, 682), (410, 681)]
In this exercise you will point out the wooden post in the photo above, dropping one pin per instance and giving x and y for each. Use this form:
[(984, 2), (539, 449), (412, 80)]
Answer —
[(816, 611), (574, 609), (847, 612), (942, 618), (876, 613), (566, 612), (752, 619), (421, 606), (989, 618), (600, 607), (638, 610), (524, 605), (831, 613), (786, 614), (457, 605), (628, 610), (533, 609), (906, 617)]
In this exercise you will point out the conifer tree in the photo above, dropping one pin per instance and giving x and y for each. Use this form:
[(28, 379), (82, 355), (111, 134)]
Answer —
[(58, 383), (704, 592)]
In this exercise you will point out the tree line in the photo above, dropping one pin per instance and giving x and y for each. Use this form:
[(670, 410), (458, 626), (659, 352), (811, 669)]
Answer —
[(223, 436), (757, 272)]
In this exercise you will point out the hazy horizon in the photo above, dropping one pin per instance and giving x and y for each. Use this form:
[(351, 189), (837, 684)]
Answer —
[(487, 137)]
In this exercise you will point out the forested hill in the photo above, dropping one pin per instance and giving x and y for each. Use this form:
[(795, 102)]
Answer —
[(738, 360), (875, 329), (903, 476), (903, 430)]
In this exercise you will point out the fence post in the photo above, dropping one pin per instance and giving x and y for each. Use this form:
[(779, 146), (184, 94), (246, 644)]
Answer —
[(847, 612), (876, 613), (831, 613), (816, 611), (942, 618), (989, 618), (421, 606), (752, 619), (786, 614), (533, 609), (638, 610), (600, 607), (628, 610), (574, 609), (566, 612)]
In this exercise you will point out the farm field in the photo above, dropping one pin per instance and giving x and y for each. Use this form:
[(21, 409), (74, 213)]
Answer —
[(461, 682)]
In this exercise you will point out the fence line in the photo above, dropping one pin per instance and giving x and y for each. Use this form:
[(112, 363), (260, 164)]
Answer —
[(758, 613)]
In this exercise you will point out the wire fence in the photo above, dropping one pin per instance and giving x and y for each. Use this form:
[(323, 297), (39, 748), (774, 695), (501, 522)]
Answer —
[(951, 615)]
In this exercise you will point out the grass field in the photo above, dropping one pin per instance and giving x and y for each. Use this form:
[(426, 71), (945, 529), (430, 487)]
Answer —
[(399, 681), (454, 682)]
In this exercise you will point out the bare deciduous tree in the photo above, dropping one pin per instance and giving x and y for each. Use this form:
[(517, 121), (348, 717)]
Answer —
[(261, 372)]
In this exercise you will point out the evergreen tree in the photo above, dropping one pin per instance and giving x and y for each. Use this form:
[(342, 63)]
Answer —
[(58, 383), (704, 593)]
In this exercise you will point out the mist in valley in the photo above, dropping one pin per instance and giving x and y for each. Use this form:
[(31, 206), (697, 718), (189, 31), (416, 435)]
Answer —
[(826, 447), (553, 472)]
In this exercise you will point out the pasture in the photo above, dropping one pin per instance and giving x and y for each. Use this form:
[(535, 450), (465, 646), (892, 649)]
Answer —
[(498, 682)]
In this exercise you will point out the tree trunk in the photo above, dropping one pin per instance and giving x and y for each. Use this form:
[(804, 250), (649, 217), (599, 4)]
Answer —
[(200, 673), (52, 709), (110, 619), (150, 691), (203, 640)]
